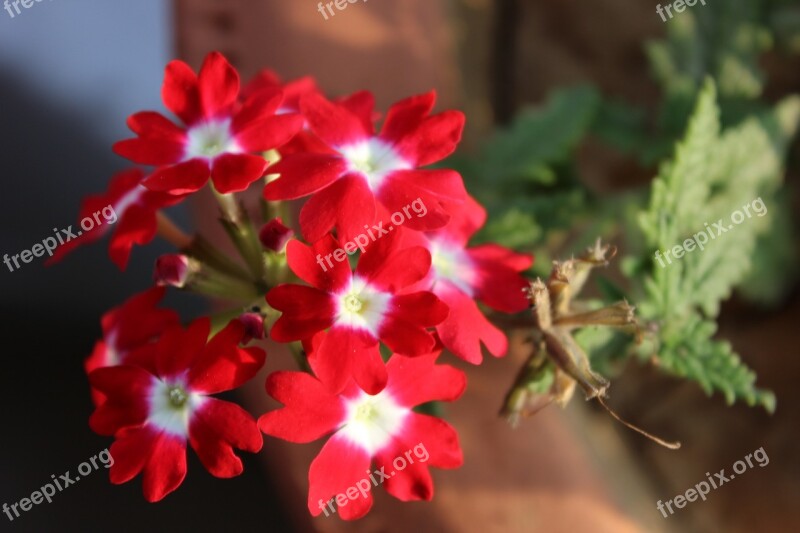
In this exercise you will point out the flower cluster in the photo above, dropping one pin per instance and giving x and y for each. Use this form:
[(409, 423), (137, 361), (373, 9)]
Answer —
[(367, 332)]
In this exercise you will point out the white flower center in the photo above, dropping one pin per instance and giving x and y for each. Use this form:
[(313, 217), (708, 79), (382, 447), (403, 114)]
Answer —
[(374, 159), (172, 405), (451, 263), (360, 306), (209, 139), (371, 421), (128, 199)]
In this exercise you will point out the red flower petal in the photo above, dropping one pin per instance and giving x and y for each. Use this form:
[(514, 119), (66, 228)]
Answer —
[(493, 253), (466, 327), (131, 451), (310, 411), (306, 310), (393, 270), (439, 190), (144, 357), (124, 185), (312, 264), (333, 123), (417, 380), (235, 172), (347, 204), (223, 365), (177, 349), (466, 219), (125, 389), (180, 93), (303, 174), (166, 467), (412, 483), (423, 309), (137, 226), (257, 106), (406, 115), (406, 337), (426, 441), (218, 84), (216, 428), (269, 133), (156, 126), (183, 178), (139, 319), (499, 286), (438, 437), (362, 105), (339, 466), (434, 139), (345, 353), (150, 151)]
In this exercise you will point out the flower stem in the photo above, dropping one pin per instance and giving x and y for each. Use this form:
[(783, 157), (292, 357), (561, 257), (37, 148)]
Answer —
[(243, 235), (170, 232), (203, 250)]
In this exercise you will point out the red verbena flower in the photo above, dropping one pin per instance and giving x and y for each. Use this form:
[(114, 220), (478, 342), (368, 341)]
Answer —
[(135, 323), (460, 275), (380, 429), (219, 136), (358, 309), (153, 411), (362, 172), (132, 219), (293, 90)]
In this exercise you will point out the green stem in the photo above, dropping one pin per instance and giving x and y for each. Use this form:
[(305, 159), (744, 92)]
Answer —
[(204, 251), (243, 235)]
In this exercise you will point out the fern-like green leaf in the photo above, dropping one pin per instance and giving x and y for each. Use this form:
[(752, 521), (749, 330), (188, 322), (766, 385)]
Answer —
[(714, 185)]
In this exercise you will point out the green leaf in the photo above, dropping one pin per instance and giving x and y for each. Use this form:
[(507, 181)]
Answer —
[(707, 200), (693, 354), (540, 138), (775, 258)]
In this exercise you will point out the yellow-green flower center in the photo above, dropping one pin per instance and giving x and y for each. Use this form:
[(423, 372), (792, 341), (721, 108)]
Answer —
[(177, 396), (366, 412), (352, 303)]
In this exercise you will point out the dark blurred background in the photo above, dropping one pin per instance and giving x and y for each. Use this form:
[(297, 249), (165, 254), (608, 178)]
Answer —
[(71, 71)]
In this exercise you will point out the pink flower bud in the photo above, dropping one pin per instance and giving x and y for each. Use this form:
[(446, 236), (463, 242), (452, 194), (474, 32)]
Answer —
[(253, 326), (274, 235), (171, 269)]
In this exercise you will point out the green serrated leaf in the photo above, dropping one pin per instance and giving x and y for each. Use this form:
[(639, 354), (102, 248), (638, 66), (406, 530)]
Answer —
[(713, 186)]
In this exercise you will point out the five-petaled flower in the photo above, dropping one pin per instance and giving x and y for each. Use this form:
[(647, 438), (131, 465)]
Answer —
[(368, 428), (363, 176), (221, 133), (154, 409), (344, 315), (127, 328), (460, 275), (136, 209)]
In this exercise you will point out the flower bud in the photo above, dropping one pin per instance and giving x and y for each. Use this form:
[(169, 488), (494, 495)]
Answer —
[(253, 326), (172, 270), (274, 235)]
